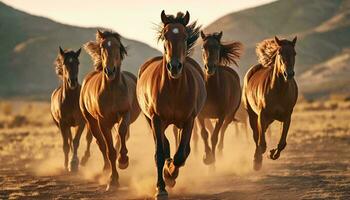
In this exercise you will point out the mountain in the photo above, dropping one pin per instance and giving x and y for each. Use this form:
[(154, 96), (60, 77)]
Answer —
[(322, 27), (29, 45)]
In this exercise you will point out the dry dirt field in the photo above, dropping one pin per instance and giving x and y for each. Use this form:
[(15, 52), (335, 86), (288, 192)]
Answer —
[(314, 165)]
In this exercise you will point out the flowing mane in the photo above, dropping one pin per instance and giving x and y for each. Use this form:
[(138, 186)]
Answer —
[(230, 53), (94, 50), (191, 29), (58, 64)]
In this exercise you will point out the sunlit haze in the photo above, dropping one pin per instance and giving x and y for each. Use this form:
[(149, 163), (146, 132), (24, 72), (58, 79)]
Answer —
[(133, 19)]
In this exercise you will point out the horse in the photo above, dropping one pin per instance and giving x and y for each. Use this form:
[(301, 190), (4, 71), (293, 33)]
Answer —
[(108, 97), (65, 109), (270, 93), (171, 90), (223, 88)]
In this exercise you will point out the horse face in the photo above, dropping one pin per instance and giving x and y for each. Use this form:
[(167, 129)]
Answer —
[(71, 67), (210, 53), (110, 56), (175, 46), (287, 55)]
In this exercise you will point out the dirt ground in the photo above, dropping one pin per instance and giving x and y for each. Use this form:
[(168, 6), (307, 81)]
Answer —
[(314, 165)]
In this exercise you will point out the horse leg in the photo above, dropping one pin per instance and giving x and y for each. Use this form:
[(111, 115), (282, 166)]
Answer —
[(253, 121), (65, 131), (209, 125), (208, 157), (87, 151), (171, 167), (176, 135), (74, 163), (214, 136), (96, 132), (222, 135), (275, 153), (195, 136), (158, 136), (106, 128), (123, 160)]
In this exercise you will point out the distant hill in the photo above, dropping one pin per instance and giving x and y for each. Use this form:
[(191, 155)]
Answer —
[(322, 27), (29, 45)]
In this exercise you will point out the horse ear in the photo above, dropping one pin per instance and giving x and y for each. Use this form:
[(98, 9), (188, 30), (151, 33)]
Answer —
[(187, 18), (99, 33), (294, 40), (77, 53), (61, 51), (164, 17), (278, 41), (220, 36), (202, 35)]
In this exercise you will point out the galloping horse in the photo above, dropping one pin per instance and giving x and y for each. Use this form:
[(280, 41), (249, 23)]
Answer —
[(171, 90), (223, 88), (108, 96), (65, 109), (270, 93)]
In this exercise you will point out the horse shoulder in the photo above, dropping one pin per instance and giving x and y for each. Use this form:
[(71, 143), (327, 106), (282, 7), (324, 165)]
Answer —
[(195, 65), (148, 63)]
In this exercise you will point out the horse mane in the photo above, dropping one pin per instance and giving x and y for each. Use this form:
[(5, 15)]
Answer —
[(94, 50), (230, 53), (191, 29), (266, 52)]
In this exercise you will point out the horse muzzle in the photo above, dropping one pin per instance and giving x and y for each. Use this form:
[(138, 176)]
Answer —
[(288, 75), (210, 70), (110, 73), (73, 83), (174, 69)]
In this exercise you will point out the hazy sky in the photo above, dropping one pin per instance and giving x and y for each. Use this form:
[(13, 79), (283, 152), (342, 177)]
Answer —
[(133, 19)]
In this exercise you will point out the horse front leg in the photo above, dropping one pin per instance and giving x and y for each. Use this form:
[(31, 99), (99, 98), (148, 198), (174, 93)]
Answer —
[(65, 131), (158, 136), (222, 135), (215, 135), (106, 128), (208, 157), (171, 167), (176, 136), (123, 129), (74, 163), (88, 145), (275, 153)]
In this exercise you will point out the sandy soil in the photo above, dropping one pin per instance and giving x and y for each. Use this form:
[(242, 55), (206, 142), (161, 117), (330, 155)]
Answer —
[(315, 164)]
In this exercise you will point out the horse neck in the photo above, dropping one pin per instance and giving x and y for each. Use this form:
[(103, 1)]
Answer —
[(213, 79)]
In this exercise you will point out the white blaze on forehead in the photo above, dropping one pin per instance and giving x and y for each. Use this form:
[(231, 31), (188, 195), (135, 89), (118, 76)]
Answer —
[(175, 30), (70, 60), (109, 43)]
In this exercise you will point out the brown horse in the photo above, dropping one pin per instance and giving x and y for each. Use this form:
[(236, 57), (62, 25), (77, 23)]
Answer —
[(223, 88), (171, 90), (270, 93), (108, 96), (65, 109)]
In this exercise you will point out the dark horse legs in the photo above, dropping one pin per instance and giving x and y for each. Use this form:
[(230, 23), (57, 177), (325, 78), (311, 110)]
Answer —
[(88, 144), (171, 167), (275, 153), (66, 137), (74, 163)]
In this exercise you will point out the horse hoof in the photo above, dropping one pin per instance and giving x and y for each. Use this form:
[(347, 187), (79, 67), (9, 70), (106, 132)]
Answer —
[(274, 154), (170, 173), (84, 160), (257, 164), (112, 185), (123, 163), (161, 194), (208, 159), (74, 165)]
